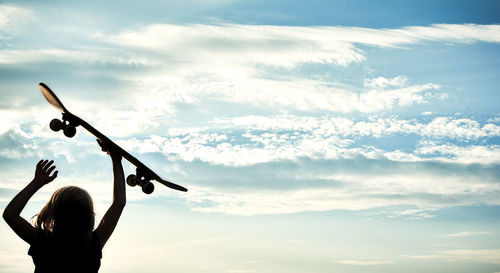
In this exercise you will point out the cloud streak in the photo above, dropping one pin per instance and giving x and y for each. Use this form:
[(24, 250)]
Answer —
[(288, 46), (467, 233), (489, 256), (365, 262), (11, 15)]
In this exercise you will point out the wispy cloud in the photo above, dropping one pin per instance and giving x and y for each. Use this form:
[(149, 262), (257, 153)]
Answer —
[(11, 15), (467, 233), (489, 256), (345, 191), (365, 262), (291, 94), (258, 139), (288, 46), (230, 46)]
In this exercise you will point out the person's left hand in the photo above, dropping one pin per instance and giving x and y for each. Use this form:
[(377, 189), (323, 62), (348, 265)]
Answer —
[(43, 172)]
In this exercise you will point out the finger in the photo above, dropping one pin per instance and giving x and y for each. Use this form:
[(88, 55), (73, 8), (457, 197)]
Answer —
[(51, 169), (103, 146), (39, 163), (47, 166), (52, 177), (41, 166), (43, 162)]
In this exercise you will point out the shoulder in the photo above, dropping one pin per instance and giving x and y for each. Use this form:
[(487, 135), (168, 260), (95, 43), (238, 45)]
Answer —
[(41, 236)]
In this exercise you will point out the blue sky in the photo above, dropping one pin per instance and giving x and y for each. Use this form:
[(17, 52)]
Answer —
[(313, 136)]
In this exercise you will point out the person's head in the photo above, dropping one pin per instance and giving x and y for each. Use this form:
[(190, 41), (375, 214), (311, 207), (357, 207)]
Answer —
[(68, 214)]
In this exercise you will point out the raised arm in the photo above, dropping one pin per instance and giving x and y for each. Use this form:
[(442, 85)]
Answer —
[(12, 213), (110, 219)]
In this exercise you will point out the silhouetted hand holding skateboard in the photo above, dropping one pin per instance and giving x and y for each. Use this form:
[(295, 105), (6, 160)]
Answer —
[(109, 149)]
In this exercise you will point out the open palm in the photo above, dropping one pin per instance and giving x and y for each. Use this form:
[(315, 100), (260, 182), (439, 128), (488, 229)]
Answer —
[(43, 172)]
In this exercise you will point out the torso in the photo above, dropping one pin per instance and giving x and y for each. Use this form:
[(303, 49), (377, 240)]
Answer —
[(53, 257)]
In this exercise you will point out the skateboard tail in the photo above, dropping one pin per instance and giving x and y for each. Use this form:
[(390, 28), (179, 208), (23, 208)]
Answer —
[(51, 97), (173, 186)]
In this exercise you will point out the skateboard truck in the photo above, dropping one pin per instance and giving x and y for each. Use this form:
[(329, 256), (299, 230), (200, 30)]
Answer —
[(142, 180), (67, 124)]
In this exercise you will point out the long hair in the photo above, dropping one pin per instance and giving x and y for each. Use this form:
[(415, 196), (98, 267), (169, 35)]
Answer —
[(68, 215)]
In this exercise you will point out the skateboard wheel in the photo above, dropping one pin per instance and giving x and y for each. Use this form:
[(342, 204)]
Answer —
[(70, 131), (56, 125), (148, 187), (131, 180)]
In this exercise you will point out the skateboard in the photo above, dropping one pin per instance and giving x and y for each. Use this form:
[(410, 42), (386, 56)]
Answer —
[(68, 124)]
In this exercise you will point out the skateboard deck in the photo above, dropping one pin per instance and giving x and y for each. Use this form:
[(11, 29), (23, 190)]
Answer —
[(69, 122)]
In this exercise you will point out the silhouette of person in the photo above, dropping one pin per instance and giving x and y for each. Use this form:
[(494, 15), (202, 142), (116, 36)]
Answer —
[(62, 238)]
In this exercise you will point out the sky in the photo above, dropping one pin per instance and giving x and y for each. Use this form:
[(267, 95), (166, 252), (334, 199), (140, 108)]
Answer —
[(313, 136)]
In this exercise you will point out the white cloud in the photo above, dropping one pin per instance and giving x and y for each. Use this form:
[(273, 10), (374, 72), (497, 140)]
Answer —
[(469, 154), (231, 63), (269, 202), (465, 33), (305, 95), (358, 191), (268, 45), (287, 46), (11, 121), (225, 63), (80, 56), (410, 214), (251, 140), (439, 127), (231, 47), (381, 82), (494, 119), (10, 16), (459, 128), (467, 233), (489, 256), (365, 262)]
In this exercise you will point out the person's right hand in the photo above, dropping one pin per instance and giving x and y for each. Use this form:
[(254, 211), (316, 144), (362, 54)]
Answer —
[(43, 172), (109, 148)]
